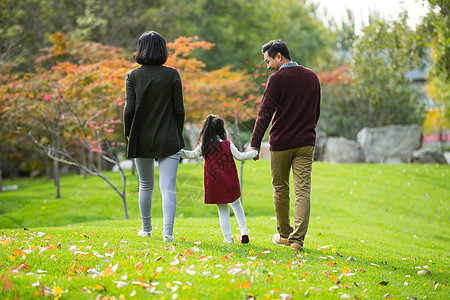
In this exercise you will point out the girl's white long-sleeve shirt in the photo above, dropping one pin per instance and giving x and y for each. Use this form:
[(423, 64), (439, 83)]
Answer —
[(197, 152)]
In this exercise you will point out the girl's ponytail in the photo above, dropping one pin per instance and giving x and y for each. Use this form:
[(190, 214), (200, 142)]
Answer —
[(213, 127)]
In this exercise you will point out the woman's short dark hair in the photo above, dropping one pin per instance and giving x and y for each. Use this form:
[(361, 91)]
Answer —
[(276, 46), (151, 49)]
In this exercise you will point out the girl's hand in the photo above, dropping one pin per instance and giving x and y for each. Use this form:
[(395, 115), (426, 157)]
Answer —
[(256, 157)]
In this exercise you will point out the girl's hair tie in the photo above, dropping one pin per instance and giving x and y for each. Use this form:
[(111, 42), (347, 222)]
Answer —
[(212, 116)]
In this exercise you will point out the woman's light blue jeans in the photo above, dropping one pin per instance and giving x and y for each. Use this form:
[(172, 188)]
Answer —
[(168, 168)]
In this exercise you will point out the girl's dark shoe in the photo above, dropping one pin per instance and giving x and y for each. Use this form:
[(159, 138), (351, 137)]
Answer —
[(245, 239)]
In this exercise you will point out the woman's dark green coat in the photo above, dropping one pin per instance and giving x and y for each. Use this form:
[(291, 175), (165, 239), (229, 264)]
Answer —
[(154, 112)]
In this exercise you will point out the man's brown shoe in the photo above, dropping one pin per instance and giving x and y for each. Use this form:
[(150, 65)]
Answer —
[(296, 247), (277, 239)]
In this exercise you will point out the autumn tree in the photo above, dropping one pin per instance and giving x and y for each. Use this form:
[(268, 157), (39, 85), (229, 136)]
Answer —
[(436, 27), (371, 88), (72, 105)]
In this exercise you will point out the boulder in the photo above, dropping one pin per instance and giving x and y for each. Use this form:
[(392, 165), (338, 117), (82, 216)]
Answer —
[(428, 156), (192, 130), (389, 144), (319, 149), (341, 150), (125, 165)]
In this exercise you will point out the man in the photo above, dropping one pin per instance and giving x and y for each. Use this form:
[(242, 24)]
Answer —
[(292, 101)]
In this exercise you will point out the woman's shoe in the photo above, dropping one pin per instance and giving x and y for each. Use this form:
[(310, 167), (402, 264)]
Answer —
[(168, 239), (228, 240), (144, 234)]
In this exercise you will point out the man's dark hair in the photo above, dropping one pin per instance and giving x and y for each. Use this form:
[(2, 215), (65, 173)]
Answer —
[(275, 46), (151, 49)]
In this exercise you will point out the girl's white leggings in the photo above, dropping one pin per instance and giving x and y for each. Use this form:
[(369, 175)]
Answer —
[(168, 168), (224, 217)]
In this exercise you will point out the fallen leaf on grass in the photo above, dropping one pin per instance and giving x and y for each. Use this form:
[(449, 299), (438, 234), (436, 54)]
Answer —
[(188, 252), (122, 240), (24, 267), (388, 296), (100, 287), (108, 271), (190, 272), (170, 248), (246, 284), (424, 272), (346, 270), (331, 263), (141, 284), (56, 290), (120, 284), (6, 284), (383, 283), (139, 265), (7, 242), (43, 290), (159, 258), (324, 247)]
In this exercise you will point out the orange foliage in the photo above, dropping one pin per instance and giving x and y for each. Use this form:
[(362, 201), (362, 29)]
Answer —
[(336, 76)]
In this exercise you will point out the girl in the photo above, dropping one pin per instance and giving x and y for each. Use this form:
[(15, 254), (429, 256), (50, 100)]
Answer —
[(153, 124), (220, 174)]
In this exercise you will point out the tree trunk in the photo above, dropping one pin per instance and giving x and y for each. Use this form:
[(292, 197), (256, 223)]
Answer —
[(236, 124), (441, 140), (99, 162), (57, 146), (133, 167), (91, 160), (124, 203), (48, 169), (83, 160), (1, 180)]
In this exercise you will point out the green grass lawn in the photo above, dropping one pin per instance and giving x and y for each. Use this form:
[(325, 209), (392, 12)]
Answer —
[(374, 230)]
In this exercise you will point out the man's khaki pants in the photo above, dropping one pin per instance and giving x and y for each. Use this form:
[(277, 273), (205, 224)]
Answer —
[(280, 164)]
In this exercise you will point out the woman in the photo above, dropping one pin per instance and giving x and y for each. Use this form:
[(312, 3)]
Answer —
[(153, 121)]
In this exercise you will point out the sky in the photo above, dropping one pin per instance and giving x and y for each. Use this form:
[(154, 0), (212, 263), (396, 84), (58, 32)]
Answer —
[(389, 9)]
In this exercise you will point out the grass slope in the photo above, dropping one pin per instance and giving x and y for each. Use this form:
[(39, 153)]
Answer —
[(372, 229)]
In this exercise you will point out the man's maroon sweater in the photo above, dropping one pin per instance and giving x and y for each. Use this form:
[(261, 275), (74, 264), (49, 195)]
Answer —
[(292, 98)]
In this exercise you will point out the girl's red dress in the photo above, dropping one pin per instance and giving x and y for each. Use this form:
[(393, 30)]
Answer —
[(220, 176)]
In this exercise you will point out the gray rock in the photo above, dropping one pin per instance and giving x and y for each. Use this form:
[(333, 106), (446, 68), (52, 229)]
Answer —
[(389, 143), (341, 150), (428, 156), (192, 130), (125, 165), (321, 142)]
